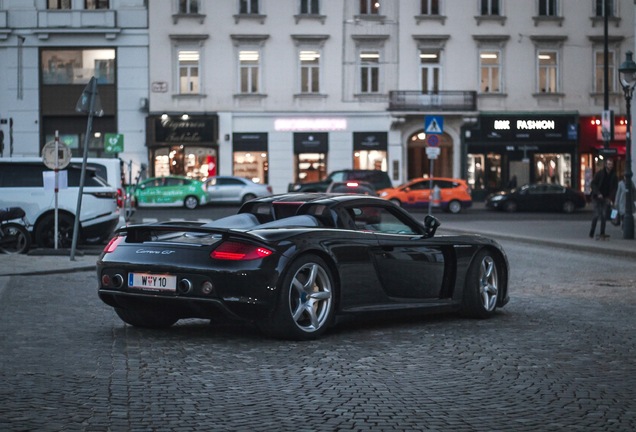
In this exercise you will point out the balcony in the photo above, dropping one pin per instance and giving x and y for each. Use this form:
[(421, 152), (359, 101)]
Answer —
[(428, 101)]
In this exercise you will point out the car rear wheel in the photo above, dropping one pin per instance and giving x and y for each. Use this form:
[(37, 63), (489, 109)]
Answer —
[(191, 202), (454, 206), (396, 201), (45, 231), (482, 286), (568, 207), (146, 318), (306, 302)]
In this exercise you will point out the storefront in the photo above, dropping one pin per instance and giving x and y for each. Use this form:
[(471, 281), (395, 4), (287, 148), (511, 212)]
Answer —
[(504, 150), (182, 145), (592, 148), (370, 150), (310, 156), (250, 156)]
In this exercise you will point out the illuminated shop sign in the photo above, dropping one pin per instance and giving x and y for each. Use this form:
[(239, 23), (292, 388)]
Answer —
[(525, 128), (192, 129), (310, 124)]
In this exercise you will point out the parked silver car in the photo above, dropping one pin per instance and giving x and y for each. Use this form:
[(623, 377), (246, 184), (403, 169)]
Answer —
[(229, 189)]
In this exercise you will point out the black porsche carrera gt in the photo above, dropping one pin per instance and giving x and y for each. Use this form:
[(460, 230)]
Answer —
[(293, 263)]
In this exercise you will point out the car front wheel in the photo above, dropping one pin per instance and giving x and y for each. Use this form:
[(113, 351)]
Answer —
[(306, 303), (191, 202), (482, 286)]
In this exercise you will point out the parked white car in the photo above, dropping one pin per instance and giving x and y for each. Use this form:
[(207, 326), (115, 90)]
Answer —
[(230, 189), (22, 185)]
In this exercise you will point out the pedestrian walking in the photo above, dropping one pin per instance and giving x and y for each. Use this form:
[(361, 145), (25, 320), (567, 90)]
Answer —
[(604, 185)]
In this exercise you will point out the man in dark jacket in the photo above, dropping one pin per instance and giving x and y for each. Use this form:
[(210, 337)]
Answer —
[(604, 186)]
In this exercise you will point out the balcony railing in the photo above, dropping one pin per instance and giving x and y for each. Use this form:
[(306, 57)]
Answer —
[(428, 101)]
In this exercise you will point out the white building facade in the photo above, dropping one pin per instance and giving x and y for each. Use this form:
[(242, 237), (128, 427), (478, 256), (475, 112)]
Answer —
[(49, 50), (289, 90)]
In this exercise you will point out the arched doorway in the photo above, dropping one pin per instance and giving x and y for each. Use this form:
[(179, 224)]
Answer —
[(418, 164)]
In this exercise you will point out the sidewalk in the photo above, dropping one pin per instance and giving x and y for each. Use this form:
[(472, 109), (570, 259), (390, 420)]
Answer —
[(565, 234)]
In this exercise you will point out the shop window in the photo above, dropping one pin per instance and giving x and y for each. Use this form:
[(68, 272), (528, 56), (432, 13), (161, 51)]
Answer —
[(310, 167), (553, 168), (493, 172), (191, 161), (61, 66), (370, 160), (476, 177), (252, 165), (429, 7)]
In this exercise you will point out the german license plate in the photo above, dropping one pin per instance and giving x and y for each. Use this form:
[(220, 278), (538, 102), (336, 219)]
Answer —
[(155, 282)]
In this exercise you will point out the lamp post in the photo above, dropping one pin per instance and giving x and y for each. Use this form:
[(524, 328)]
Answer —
[(628, 81)]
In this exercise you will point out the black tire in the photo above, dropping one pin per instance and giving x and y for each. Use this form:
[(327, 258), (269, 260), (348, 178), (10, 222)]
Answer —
[(396, 201), (454, 207), (510, 206), (306, 302), (191, 202), (481, 290), (45, 231), (568, 207), (152, 318), (247, 197), (15, 239)]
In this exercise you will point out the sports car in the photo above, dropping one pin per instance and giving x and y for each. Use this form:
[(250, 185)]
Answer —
[(295, 263)]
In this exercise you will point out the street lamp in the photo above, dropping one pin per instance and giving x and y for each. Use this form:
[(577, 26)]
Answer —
[(628, 81)]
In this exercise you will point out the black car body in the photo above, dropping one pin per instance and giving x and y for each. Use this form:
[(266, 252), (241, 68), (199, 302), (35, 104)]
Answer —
[(379, 179), (293, 263), (537, 197)]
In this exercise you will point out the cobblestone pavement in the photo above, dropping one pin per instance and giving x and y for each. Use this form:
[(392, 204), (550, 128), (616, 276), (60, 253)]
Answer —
[(559, 357)]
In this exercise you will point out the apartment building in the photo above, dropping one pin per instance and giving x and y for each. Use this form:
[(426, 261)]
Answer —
[(288, 90), (49, 50)]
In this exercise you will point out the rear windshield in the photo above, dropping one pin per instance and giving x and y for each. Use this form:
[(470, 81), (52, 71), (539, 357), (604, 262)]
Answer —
[(31, 175)]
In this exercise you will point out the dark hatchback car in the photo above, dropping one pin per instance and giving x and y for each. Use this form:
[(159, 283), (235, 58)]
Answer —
[(537, 197)]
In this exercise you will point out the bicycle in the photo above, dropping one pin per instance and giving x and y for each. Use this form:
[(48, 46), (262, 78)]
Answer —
[(14, 236)]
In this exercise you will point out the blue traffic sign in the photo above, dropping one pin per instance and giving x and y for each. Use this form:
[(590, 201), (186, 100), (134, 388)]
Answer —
[(434, 124)]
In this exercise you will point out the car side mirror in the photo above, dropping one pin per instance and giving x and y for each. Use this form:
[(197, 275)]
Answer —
[(431, 223)]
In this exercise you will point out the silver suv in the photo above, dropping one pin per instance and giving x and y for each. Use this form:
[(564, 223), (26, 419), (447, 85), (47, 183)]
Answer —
[(22, 185)]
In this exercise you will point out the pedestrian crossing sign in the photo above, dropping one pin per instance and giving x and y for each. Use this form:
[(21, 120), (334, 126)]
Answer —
[(434, 124)]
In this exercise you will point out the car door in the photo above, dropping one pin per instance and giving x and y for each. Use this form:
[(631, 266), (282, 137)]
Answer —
[(173, 191), (148, 192), (408, 266), (418, 194)]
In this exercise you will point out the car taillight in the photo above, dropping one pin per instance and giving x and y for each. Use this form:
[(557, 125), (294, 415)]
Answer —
[(103, 194), (237, 251), (120, 198), (113, 243)]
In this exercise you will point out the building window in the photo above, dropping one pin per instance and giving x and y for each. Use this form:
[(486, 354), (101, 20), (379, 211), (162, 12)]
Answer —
[(429, 7), (490, 71), (369, 7), (430, 70), (249, 67), (188, 6), (96, 4), (309, 71), (489, 7), (548, 8), (62, 66), (369, 72), (309, 7), (600, 6), (59, 4), (599, 71), (548, 71), (189, 81), (248, 7)]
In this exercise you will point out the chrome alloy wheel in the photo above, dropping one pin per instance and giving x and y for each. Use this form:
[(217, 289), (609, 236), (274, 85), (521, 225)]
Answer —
[(310, 297), (488, 283)]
